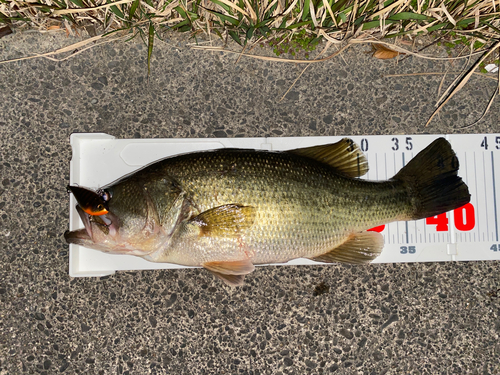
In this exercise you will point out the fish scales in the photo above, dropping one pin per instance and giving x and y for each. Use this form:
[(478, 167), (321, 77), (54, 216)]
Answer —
[(304, 208)]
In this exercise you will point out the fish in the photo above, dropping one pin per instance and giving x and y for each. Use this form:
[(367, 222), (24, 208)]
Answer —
[(227, 210)]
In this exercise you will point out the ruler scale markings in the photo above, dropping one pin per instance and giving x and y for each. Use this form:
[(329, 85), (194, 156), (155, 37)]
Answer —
[(494, 195), (387, 226), (466, 179), (406, 222), (425, 235), (397, 231), (486, 195), (476, 195), (414, 222)]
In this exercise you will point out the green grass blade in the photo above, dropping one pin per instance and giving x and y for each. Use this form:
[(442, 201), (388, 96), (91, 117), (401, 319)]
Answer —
[(222, 5), (79, 3), (438, 27), (305, 12), (283, 24), (196, 6), (133, 8), (235, 36), (338, 5), (263, 23), (372, 24), (150, 44), (181, 12), (116, 10), (223, 17), (465, 22), (359, 21), (61, 4), (409, 16), (299, 24), (250, 33)]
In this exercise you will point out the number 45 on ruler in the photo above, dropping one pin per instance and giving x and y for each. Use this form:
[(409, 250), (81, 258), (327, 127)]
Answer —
[(463, 217)]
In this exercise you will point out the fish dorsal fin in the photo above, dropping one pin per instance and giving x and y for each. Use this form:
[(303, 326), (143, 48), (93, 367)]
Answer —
[(360, 248), (345, 156), (231, 272), (229, 220)]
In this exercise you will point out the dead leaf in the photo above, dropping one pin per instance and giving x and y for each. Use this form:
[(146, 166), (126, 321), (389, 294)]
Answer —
[(5, 31), (382, 52), (54, 27)]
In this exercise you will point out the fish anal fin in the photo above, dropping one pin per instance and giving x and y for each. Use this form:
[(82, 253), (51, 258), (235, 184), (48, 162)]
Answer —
[(345, 156), (360, 248), (231, 280), (230, 220), (231, 272), (233, 267)]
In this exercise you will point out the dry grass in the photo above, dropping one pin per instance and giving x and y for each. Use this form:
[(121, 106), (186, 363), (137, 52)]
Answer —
[(247, 21)]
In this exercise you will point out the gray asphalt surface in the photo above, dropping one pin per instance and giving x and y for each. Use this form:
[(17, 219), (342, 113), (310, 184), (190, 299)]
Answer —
[(377, 319)]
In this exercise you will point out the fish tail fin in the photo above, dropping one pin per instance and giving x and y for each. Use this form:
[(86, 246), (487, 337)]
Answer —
[(432, 181)]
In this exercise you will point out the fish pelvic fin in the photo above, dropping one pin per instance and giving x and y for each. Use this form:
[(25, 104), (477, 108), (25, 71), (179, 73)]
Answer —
[(231, 272), (345, 156), (432, 181), (360, 248)]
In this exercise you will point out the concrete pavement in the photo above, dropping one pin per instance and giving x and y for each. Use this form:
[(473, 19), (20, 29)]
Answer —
[(379, 319)]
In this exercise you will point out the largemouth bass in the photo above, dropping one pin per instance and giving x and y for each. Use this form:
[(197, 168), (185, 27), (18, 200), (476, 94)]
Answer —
[(229, 209)]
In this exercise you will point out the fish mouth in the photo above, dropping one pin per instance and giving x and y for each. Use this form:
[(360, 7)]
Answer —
[(77, 237), (93, 225), (80, 236)]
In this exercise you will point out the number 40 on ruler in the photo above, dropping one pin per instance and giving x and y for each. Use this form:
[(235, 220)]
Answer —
[(463, 217)]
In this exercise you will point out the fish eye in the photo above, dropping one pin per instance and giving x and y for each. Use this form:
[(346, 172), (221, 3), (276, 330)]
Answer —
[(105, 195)]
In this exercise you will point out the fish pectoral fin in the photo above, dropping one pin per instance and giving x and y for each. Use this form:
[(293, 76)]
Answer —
[(360, 248), (231, 272), (345, 156), (229, 220)]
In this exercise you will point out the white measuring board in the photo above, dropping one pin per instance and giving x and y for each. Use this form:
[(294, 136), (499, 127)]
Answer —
[(468, 233)]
